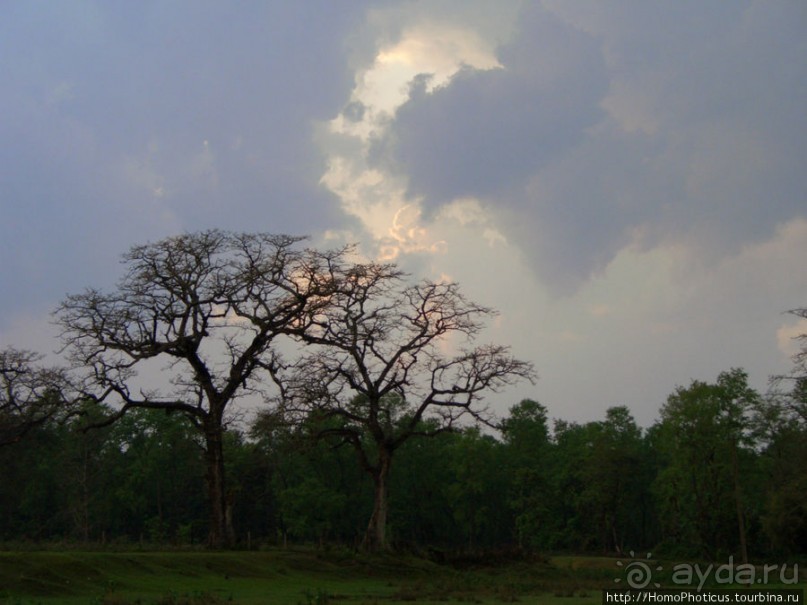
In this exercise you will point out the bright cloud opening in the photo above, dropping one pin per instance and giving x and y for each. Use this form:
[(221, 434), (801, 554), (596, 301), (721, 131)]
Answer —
[(376, 197)]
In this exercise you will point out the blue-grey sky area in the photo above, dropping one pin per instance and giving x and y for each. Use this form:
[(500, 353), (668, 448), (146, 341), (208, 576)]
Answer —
[(624, 181)]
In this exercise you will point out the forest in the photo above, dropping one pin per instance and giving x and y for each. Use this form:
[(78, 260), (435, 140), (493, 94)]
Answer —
[(370, 432), (599, 487)]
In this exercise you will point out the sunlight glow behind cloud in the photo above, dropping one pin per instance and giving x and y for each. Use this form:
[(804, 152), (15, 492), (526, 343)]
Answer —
[(379, 199)]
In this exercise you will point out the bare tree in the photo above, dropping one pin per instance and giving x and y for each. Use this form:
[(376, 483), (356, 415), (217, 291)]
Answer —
[(789, 391), (210, 305), (30, 394), (375, 369)]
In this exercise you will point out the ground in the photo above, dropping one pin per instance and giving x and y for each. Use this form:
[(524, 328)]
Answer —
[(296, 576)]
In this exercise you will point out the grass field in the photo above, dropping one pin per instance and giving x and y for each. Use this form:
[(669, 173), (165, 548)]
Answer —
[(306, 577)]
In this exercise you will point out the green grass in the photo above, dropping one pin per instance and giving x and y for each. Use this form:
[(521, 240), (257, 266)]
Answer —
[(294, 576), (284, 576)]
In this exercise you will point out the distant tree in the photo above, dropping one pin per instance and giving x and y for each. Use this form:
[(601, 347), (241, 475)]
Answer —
[(789, 390), (316, 487), (615, 480), (528, 455), (32, 501), (83, 474), (799, 369), (784, 462), (249, 478), (375, 369), (704, 431), (154, 462), (421, 500), (30, 394), (210, 306), (569, 526), (781, 420), (478, 490)]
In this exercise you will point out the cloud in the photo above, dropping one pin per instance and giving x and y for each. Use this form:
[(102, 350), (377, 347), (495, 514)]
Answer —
[(425, 53), (617, 183), (652, 319), (788, 336), (489, 129), (619, 125)]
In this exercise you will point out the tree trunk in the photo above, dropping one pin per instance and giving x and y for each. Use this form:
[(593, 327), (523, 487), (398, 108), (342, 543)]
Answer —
[(85, 497), (375, 538), (738, 501), (221, 534)]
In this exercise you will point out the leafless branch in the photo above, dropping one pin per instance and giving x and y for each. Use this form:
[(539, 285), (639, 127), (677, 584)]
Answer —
[(30, 394), (375, 357)]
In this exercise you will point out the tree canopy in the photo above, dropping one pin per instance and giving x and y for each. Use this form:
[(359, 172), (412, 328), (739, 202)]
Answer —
[(30, 394), (209, 306), (378, 368)]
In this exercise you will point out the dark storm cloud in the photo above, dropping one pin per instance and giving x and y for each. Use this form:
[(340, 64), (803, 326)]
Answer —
[(490, 129), (125, 122), (621, 123)]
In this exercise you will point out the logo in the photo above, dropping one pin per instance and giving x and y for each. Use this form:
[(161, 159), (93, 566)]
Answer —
[(638, 574)]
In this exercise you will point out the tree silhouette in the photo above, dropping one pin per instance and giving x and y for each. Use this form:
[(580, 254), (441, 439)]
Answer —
[(209, 304), (377, 365)]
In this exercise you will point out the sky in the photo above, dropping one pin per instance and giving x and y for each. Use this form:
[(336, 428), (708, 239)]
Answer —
[(625, 182)]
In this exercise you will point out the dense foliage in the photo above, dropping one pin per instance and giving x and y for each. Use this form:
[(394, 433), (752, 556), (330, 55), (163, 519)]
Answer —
[(720, 460)]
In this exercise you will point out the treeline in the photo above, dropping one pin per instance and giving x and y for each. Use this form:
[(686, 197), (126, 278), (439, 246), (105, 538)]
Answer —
[(723, 470), (369, 382)]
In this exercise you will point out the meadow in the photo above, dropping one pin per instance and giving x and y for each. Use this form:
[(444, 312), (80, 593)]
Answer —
[(293, 576), (298, 576)]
